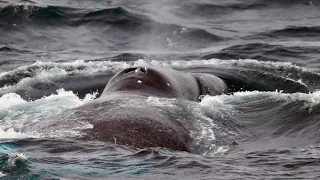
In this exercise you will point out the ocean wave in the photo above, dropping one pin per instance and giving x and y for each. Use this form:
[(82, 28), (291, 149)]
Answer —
[(44, 78), (18, 13), (12, 49), (266, 52), (81, 67), (67, 15), (41, 78), (250, 74), (69, 68), (113, 21), (291, 32), (215, 9), (117, 15), (272, 116), (218, 9), (287, 3)]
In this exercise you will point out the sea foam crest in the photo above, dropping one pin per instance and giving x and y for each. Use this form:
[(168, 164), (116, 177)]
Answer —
[(217, 62), (9, 100), (229, 102), (216, 111), (11, 133), (94, 67), (78, 66), (16, 113), (47, 72)]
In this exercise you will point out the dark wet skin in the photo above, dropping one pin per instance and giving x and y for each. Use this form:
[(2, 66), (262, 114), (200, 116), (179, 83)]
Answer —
[(144, 125)]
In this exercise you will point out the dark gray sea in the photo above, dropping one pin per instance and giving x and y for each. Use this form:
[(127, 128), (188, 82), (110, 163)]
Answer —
[(56, 55)]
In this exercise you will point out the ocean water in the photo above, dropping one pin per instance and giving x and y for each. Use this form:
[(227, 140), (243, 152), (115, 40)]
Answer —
[(58, 55)]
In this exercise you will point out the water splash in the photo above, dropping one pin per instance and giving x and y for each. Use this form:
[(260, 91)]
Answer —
[(17, 114)]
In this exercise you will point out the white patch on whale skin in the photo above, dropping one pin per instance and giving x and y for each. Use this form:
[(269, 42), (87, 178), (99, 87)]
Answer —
[(168, 84), (139, 81), (162, 102)]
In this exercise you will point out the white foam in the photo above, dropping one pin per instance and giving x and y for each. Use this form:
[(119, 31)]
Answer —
[(2, 175), (3, 73), (160, 101), (49, 71), (89, 97), (229, 64), (240, 62), (221, 150), (10, 133), (225, 106), (10, 99), (213, 109), (19, 113), (226, 101), (311, 98)]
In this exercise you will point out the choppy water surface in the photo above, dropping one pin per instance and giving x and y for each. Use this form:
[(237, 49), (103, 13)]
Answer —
[(57, 55)]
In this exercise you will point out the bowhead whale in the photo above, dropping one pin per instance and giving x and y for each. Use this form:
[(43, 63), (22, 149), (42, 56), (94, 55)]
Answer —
[(143, 125)]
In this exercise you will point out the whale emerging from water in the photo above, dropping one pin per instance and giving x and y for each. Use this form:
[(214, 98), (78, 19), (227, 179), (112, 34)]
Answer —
[(143, 125)]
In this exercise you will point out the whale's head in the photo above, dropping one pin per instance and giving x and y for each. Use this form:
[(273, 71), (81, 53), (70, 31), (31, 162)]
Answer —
[(165, 82), (145, 80)]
